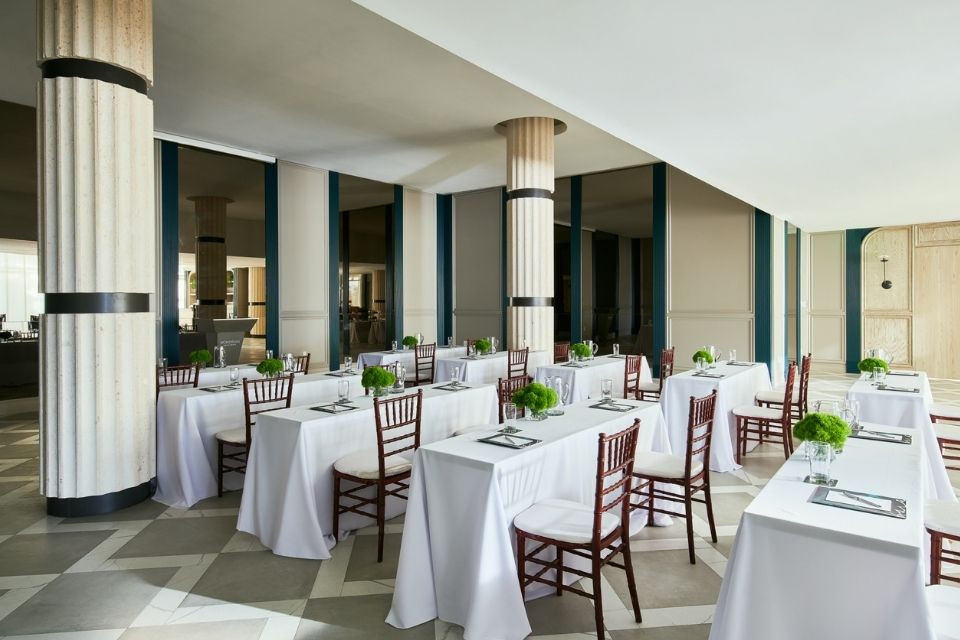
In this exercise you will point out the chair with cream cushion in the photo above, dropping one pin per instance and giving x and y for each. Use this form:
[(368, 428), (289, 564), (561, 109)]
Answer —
[(561, 352), (259, 395), (425, 361), (688, 472), (172, 377), (652, 390), (631, 375), (596, 533), (767, 424), (301, 364), (942, 521), (948, 435), (944, 605), (798, 399), (398, 432)]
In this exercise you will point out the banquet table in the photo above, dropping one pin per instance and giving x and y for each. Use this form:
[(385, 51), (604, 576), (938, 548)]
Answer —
[(801, 570), (738, 386), (485, 369), (457, 559), (221, 375), (583, 379), (288, 496), (909, 409), (188, 421), (407, 358)]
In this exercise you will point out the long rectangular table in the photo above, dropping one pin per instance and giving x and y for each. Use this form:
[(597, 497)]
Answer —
[(188, 421), (288, 496), (584, 380), (457, 559), (485, 369), (738, 386), (909, 409), (406, 357), (800, 570)]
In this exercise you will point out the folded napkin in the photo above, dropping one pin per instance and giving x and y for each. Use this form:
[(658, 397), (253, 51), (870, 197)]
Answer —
[(888, 387), (704, 374), (738, 363), (902, 373)]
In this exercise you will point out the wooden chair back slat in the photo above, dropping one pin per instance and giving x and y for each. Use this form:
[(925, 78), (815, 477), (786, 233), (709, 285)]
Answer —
[(561, 351), (615, 457), (471, 347), (700, 431), (265, 394), (788, 398), (631, 375), (397, 413), (517, 362), (805, 364), (666, 365), (301, 364), (505, 390), (187, 375), (425, 358)]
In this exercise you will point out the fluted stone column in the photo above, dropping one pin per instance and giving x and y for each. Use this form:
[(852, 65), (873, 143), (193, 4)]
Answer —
[(257, 300), (97, 254), (530, 176), (240, 291), (211, 238)]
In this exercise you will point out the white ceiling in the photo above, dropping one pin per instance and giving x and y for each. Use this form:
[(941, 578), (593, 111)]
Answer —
[(830, 114), (327, 84)]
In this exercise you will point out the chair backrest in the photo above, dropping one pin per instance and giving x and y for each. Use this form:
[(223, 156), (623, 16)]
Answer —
[(265, 394), (187, 375), (805, 363), (505, 390), (517, 362), (398, 425), (471, 347), (615, 456), (700, 432), (425, 357), (631, 375), (666, 366), (561, 351), (788, 398), (301, 364)]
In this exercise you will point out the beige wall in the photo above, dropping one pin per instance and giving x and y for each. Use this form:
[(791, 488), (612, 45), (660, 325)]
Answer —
[(476, 264), (710, 269), (420, 264), (827, 317)]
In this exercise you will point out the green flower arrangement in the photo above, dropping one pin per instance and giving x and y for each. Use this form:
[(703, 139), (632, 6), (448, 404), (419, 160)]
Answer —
[(581, 350), (703, 353), (201, 356), (270, 367), (869, 364), (535, 397), (822, 427), (409, 341), (482, 346), (377, 378)]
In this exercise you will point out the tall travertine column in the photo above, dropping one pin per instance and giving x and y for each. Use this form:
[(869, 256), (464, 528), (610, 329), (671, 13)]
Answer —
[(211, 238), (97, 254), (240, 292), (530, 230), (257, 300)]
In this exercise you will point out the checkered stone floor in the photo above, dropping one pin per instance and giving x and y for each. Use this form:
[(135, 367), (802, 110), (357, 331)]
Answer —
[(152, 573)]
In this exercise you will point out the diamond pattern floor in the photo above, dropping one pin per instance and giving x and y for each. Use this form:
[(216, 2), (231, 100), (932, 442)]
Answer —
[(154, 573)]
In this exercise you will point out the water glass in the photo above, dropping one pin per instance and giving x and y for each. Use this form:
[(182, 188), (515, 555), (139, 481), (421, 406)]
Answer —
[(820, 454), (234, 375), (393, 345), (450, 342), (347, 363), (606, 389), (523, 343), (162, 363), (879, 374), (701, 364), (616, 348), (343, 390), (455, 374), (509, 411), (732, 355), (269, 354)]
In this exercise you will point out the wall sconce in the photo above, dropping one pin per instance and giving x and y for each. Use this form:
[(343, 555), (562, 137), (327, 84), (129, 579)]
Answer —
[(886, 284)]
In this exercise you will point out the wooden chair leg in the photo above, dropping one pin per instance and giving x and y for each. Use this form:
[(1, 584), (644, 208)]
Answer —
[(739, 439), (219, 469), (597, 594), (688, 510), (936, 557), (631, 581), (559, 571), (650, 504), (522, 563), (787, 444), (708, 499), (336, 508), (381, 518)]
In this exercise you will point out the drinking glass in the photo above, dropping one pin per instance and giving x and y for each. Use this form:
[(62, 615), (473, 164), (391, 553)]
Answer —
[(616, 348), (831, 407), (347, 363), (393, 345), (269, 354), (234, 375), (455, 374), (606, 389), (343, 390), (509, 411), (523, 343), (450, 342), (879, 375), (820, 454), (732, 355), (162, 363), (715, 352), (701, 364)]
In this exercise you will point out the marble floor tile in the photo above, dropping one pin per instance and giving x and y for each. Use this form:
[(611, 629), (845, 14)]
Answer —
[(256, 576), (727, 507), (363, 560), (146, 510), (667, 579), (7, 487), (46, 553), (226, 630), (355, 618), (724, 544), (230, 500), (569, 613), (30, 467), (180, 536), (691, 632), (20, 513)]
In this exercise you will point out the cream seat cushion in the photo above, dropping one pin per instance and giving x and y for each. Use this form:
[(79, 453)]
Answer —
[(751, 411), (563, 520), (944, 604), (945, 411), (947, 431), (663, 465), (234, 436), (649, 386), (366, 464), (777, 396), (942, 516)]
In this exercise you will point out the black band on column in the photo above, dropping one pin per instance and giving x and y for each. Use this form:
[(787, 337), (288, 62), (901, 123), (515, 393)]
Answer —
[(96, 302), (217, 239), (93, 70), (531, 302), (530, 193), (211, 302), (96, 505), (256, 304)]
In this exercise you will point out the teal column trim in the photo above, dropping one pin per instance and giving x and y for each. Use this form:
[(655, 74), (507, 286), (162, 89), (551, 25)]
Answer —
[(799, 274), (503, 268), (271, 192), (398, 261), (169, 250), (444, 267), (659, 264), (786, 323), (763, 288), (576, 258), (853, 239), (333, 266)]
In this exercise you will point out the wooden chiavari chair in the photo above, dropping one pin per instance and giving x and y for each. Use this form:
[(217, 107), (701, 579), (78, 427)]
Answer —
[(798, 401), (561, 352), (398, 431), (187, 375), (653, 389), (259, 395), (425, 359), (301, 364), (948, 435), (506, 387), (631, 376), (517, 362), (691, 472), (942, 521), (596, 534), (765, 423)]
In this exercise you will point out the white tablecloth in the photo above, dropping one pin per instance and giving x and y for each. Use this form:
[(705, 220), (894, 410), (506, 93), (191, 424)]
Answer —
[(407, 358), (799, 570), (188, 421), (457, 559), (738, 387), (584, 382), (486, 369), (288, 496), (213, 375), (909, 410)]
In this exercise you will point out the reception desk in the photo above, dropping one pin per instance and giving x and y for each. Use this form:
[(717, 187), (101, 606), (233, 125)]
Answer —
[(227, 333)]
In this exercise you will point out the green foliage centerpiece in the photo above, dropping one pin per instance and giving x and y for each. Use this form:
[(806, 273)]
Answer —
[(270, 368), (869, 364), (537, 398), (409, 342), (201, 357), (378, 379), (581, 350), (823, 427), (482, 346), (702, 353)]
